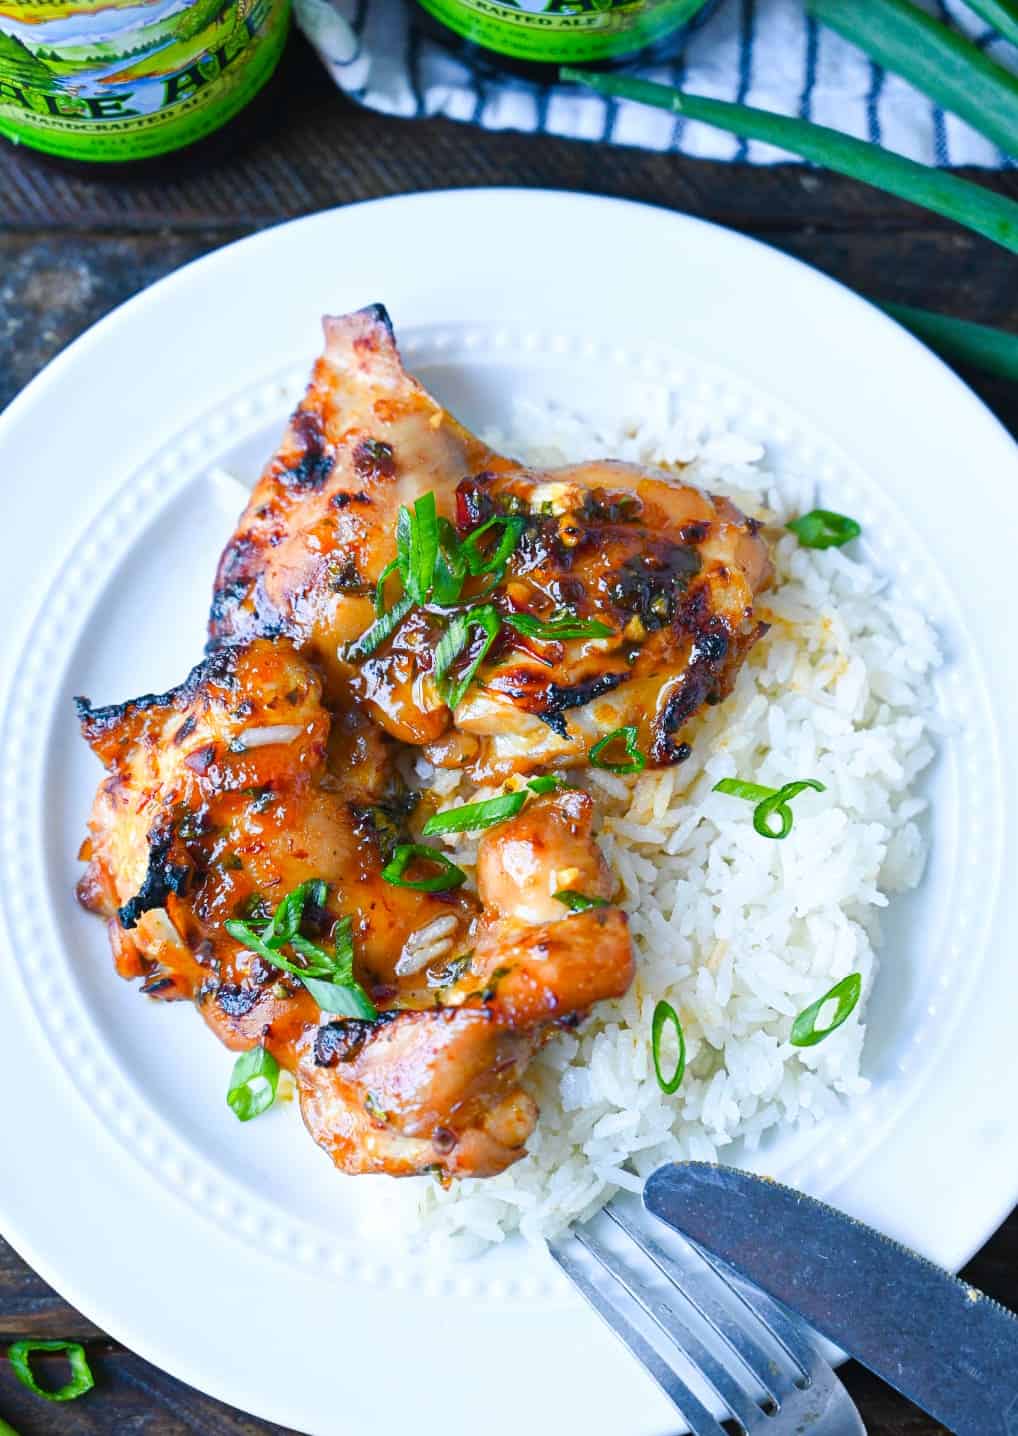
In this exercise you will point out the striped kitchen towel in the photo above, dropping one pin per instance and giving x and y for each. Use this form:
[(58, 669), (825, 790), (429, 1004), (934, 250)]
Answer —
[(762, 52)]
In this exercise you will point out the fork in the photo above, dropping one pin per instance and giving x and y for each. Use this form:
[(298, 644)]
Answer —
[(708, 1337)]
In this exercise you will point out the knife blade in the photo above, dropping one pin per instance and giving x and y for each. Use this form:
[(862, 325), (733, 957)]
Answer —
[(948, 1347)]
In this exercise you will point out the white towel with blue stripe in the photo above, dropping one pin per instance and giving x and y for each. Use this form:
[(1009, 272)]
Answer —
[(766, 53)]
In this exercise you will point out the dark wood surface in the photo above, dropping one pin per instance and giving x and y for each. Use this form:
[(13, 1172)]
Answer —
[(75, 244)]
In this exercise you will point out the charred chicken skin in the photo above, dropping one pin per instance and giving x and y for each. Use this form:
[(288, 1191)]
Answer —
[(226, 794), (659, 577)]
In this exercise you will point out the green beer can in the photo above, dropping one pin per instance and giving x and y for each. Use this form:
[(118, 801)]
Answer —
[(124, 80)]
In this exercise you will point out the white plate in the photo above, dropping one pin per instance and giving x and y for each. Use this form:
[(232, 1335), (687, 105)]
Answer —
[(232, 1255)]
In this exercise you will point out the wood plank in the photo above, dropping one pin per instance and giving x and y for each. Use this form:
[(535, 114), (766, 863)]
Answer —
[(133, 1396), (53, 286)]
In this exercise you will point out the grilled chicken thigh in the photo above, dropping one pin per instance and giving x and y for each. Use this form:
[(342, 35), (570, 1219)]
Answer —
[(395, 582), (670, 574), (226, 794), (667, 574)]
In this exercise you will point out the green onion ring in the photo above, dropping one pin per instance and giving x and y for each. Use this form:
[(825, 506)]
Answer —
[(822, 528), (81, 1380), (845, 993), (777, 805), (637, 761), (450, 875), (665, 1012), (253, 1083)]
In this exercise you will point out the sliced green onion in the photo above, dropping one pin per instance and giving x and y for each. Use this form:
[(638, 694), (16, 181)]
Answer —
[(389, 569), (244, 933), (846, 994), (822, 528), (770, 802), (82, 1380), (345, 999), (448, 876), (328, 976), (380, 630), (6, 1429), (636, 760), (936, 59), (511, 525), (970, 204), (451, 645), (450, 566), (285, 922), (578, 902), (664, 1012), (472, 817), (562, 625), (548, 783), (978, 345), (736, 788), (1001, 14), (487, 618), (253, 1083), (777, 806), (417, 546)]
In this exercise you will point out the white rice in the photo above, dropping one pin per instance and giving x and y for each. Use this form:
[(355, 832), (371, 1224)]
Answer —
[(736, 932)]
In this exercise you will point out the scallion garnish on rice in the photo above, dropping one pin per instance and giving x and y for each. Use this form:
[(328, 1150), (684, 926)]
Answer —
[(635, 760), (82, 1380), (471, 817), (448, 875), (845, 994), (822, 528), (253, 1083), (770, 802), (578, 902), (738, 788), (665, 1013)]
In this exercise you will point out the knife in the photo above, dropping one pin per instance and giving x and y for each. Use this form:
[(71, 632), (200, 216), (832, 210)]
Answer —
[(937, 1340)]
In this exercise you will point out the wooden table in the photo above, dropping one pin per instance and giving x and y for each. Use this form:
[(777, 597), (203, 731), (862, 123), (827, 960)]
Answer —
[(73, 245)]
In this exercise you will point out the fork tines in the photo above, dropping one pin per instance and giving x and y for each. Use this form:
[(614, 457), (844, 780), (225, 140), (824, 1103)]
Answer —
[(707, 1338)]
